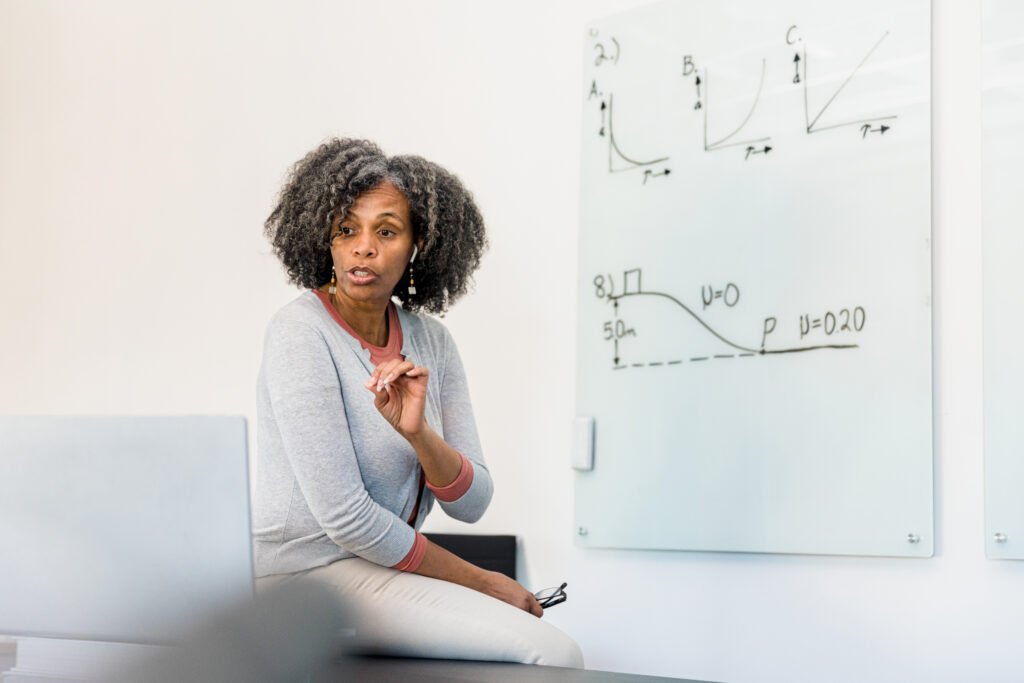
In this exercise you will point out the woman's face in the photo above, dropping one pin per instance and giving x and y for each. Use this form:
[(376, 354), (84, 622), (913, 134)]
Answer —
[(372, 244)]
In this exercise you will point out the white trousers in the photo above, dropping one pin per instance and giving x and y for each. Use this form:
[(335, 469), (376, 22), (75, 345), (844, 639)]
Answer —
[(408, 615)]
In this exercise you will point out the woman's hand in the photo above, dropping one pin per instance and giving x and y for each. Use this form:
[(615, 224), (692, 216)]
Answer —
[(499, 586), (400, 393)]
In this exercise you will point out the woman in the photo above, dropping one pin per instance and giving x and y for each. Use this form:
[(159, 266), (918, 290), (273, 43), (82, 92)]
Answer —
[(364, 413)]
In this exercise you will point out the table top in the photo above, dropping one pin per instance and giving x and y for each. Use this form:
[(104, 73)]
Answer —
[(402, 670)]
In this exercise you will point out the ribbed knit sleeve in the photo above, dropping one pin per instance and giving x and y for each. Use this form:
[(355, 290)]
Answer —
[(459, 486), (414, 558), (460, 433)]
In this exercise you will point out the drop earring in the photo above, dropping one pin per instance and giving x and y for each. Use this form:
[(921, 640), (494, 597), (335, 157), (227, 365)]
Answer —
[(333, 289), (412, 282)]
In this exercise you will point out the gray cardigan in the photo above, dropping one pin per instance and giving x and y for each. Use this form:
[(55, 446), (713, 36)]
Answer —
[(333, 478)]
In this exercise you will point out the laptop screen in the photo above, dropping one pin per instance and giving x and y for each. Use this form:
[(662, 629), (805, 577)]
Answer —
[(127, 529)]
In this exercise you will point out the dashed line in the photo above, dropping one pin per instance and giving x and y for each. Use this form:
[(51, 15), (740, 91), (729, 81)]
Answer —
[(696, 359)]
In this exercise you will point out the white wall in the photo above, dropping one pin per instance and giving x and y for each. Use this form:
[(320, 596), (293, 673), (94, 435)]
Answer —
[(141, 145)]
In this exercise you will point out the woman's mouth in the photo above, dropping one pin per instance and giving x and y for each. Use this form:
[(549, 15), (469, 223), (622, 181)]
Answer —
[(361, 276)]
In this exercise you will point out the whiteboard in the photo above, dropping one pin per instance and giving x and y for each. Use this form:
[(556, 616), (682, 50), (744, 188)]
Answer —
[(1003, 206), (754, 314)]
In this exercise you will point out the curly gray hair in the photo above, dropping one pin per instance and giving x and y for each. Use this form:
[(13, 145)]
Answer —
[(446, 221)]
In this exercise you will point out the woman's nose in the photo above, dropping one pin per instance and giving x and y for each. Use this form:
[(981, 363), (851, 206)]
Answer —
[(364, 246)]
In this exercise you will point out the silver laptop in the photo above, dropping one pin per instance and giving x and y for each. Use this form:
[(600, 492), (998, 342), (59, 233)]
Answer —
[(128, 529)]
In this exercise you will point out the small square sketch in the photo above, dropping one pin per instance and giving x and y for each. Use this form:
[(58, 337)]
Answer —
[(631, 280)]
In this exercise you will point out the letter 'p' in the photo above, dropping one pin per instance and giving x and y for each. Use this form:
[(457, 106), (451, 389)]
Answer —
[(769, 327)]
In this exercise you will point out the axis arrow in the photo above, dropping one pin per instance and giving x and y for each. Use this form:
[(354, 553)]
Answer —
[(866, 128), (756, 150), (650, 174)]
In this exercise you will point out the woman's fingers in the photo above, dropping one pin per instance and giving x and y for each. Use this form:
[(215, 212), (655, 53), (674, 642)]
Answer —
[(510, 591), (386, 372), (389, 371), (393, 373)]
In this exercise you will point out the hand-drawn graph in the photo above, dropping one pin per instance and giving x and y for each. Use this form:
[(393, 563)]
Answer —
[(844, 321), (757, 145), (865, 124), (617, 159)]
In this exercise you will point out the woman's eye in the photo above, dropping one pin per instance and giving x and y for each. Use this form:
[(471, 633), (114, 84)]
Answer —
[(342, 232), (386, 232)]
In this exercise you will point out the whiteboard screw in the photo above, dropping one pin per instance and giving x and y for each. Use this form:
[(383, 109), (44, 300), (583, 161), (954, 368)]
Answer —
[(913, 538), (999, 538), (582, 531)]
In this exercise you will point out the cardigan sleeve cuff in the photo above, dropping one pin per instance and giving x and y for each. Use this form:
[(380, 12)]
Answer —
[(414, 558), (455, 490)]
